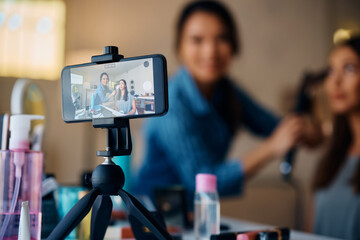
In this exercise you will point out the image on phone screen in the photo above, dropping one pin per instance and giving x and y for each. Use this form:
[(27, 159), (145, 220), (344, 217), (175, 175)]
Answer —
[(113, 90)]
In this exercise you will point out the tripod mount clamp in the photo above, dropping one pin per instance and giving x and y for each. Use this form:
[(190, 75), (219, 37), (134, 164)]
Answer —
[(118, 136)]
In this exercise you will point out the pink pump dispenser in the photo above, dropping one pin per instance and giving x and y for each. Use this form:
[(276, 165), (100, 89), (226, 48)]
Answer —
[(22, 169)]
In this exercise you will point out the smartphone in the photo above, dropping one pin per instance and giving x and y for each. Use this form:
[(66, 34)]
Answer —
[(131, 88)]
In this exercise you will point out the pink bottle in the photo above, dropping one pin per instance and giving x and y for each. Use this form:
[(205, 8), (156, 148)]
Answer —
[(207, 207), (20, 180)]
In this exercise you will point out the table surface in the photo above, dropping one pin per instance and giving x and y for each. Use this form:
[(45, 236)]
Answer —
[(239, 225), (146, 98), (113, 232)]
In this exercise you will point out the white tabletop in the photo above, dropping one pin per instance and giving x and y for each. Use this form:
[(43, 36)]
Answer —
[(113, 232), (146, 98), (240, 225), (116, 113)]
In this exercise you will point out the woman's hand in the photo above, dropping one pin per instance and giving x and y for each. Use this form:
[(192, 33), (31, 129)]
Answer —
[(112, 94), (287, 134), (133, 108)]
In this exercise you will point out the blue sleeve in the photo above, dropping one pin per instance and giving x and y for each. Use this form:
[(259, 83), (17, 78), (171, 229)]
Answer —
[(102, 95), (189, 155), (259, 120)]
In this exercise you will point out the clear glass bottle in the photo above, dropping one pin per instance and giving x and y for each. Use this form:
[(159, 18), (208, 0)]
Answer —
[(207, 207)]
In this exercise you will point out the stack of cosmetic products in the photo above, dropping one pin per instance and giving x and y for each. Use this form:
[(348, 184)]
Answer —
[(270, 234)]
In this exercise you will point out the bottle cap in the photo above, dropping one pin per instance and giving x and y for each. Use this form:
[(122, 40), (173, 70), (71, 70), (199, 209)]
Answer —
[(19, 131), (242, 237), (205, 182)]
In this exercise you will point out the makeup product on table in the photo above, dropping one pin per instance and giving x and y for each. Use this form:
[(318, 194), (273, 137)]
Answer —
[(24, 227), (265, 234), (207, 207)]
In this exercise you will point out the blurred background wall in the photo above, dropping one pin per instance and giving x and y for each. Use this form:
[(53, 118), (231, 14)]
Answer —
[(280, 39)]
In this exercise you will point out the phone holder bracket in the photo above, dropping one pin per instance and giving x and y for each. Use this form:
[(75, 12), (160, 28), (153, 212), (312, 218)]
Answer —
[(111, 54), (118, 136)]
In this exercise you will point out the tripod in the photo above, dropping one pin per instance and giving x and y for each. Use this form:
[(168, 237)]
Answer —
[(108, 179)]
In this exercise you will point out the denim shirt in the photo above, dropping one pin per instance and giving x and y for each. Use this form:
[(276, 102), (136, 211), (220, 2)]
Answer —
[(101, 92), (194, 138)]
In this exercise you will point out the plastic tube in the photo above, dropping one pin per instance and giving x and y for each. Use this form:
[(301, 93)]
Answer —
[(12, 207), (19, 158)]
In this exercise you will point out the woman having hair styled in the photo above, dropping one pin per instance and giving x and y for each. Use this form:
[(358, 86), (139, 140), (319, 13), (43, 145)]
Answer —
[(206, 109), (337, 180), (124, 101)]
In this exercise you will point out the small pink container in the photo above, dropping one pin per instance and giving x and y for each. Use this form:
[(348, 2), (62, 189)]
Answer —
[(206, 182)]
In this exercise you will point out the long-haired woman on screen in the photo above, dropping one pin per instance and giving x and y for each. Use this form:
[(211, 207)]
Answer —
[(124, 101)]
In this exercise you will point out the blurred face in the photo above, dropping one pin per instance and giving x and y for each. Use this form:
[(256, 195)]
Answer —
[(343, 82), (122, 85), (104, 80), (204, 47)]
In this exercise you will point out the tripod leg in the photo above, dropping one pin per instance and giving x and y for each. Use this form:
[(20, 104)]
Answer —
[(100, 217), (137, 210), (74, 216)]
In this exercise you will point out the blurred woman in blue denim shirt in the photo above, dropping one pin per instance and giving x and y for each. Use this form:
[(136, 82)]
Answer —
[(103, 89), (205, 111)]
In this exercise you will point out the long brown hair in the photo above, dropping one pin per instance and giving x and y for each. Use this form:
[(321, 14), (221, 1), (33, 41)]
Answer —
[(339, 145), (118, 94)]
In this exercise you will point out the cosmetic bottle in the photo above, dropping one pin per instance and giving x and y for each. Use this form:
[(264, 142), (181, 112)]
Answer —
[(207, 207), (20, 180)]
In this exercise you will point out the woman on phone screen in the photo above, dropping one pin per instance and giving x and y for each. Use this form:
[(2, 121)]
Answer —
[(124, 101)]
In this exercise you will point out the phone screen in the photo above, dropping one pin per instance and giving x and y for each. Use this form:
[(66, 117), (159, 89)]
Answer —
[(118, 89)]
